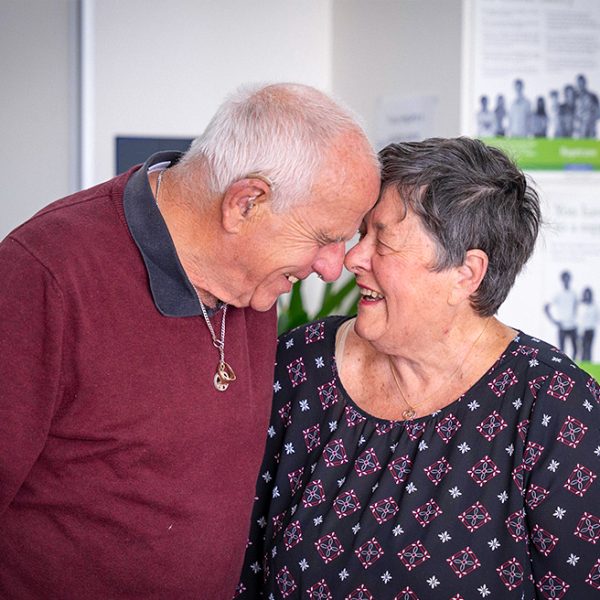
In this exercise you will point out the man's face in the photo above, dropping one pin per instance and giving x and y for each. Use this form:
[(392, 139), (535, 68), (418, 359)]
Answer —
[(287, 246)]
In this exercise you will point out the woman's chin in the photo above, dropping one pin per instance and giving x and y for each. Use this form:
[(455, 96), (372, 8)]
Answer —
[(365, 326)]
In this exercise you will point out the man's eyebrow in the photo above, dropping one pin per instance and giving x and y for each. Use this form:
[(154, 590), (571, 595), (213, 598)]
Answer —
[(328, 238)]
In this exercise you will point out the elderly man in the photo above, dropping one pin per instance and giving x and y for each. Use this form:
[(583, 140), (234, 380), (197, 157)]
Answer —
[(138, 337)]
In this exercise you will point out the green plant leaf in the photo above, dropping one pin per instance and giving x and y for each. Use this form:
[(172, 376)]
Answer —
[(333, 301), (295, 314)]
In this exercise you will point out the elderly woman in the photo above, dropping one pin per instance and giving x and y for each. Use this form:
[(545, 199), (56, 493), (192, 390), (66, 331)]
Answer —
[(424, 449)]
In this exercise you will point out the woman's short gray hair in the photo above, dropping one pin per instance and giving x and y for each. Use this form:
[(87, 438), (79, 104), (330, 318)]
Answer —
[(281, 131), (468, 195)]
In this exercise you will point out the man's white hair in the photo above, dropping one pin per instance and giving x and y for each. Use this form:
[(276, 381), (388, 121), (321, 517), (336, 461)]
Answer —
[(281, 131)]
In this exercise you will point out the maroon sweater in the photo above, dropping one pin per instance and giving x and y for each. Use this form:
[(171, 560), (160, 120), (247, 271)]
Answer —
[(123, 472)]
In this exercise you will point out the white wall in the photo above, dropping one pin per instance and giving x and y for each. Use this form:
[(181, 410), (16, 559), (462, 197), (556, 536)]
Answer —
[(161, 68), (398, 48), (36, 95), (163, 72)]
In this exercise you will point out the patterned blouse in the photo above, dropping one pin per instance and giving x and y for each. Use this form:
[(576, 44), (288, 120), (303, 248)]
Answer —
[(494, 496)]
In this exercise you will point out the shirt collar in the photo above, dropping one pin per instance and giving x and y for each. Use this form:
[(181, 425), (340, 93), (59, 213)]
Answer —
[(172, 292)]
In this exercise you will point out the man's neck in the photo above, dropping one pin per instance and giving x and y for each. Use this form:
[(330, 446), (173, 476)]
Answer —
[(194, 226)]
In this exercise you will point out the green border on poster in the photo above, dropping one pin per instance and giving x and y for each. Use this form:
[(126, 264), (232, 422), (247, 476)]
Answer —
[(558, 154), (592, 368)]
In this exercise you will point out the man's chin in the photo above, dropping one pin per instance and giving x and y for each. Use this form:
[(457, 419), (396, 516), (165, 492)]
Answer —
[(262, 304)]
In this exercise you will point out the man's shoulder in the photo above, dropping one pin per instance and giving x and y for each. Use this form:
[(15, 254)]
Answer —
[(72, 221)]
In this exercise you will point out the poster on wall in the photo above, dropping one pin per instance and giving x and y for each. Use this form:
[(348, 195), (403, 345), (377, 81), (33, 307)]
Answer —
[(534, 79), (531, 87), (557, 297)]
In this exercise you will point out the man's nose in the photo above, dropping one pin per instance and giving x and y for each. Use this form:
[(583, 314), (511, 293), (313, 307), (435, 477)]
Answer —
[(329, 261)]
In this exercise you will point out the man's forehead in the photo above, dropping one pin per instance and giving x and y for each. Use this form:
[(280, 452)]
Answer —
[(341, 225)]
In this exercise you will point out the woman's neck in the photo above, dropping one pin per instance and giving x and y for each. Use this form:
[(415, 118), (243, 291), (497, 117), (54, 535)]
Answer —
[(428, 377)]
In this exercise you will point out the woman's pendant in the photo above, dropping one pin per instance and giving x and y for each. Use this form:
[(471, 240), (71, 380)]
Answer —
[(224, 376), (409, 414)]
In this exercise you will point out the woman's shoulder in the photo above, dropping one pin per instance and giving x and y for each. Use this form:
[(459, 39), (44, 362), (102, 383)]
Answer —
[(543, 356), (561, 378), (539, 352), (306, 358)]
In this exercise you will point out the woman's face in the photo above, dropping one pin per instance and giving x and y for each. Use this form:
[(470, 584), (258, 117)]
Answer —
[(403, 299)]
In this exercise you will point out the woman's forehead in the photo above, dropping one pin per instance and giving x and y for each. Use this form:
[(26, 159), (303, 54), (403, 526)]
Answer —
[(389, 210)]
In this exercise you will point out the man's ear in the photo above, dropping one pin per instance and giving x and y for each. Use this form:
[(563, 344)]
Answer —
[(469, 276), (241, 201)]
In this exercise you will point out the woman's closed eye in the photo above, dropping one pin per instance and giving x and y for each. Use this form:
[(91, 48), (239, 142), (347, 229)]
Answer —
[(384, 248)]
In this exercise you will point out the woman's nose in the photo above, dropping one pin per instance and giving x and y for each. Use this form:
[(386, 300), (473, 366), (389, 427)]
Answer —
[(359, 257)]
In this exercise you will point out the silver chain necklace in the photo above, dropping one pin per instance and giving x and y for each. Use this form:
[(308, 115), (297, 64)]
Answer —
[(224, 374)]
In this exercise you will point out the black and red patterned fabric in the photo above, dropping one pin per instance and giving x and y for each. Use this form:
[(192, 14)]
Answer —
[(494, 496)]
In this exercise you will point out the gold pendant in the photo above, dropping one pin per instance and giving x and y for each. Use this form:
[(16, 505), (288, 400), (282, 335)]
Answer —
[(219, 383), (224, 376), (226, 372), (409, 413)]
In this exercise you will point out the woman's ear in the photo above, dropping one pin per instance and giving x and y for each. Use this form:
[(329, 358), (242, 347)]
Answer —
[(469, 276), (241, 200)]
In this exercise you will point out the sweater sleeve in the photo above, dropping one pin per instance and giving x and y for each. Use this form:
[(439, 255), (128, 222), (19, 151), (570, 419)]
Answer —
[(562, 497), (31, 332)]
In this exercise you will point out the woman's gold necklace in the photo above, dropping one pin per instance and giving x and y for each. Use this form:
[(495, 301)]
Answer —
[(410, 412)]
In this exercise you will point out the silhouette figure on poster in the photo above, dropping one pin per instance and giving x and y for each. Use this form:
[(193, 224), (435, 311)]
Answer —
[(572, 112), (586, 110), (486, 120), (562, 311), (553, 109), (566, 113), (539, 119), (587, 318), (500, 115), (519, 115)]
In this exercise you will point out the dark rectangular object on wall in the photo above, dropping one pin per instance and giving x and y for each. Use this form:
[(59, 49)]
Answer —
[(132, 151)]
